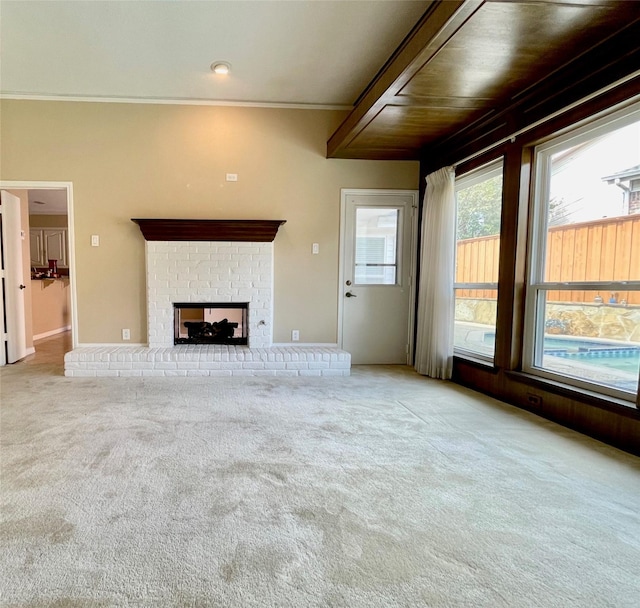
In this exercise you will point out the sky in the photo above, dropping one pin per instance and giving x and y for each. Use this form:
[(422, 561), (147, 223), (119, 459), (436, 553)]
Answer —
[(577, 177)]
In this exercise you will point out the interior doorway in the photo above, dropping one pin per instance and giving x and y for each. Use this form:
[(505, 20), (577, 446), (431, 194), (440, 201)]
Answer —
[(47, 235), (377, 270)]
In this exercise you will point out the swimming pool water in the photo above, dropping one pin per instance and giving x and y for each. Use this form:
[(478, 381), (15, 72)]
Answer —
[(620, 356), (610, 355)]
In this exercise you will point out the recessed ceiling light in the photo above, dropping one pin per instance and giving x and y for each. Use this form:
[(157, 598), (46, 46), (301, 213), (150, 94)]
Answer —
[(220, 67)]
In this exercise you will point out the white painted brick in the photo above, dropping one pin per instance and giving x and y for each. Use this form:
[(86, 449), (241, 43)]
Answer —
[(165, 365), (142, 365), (253, 365), (275, 365), (318, 365), (96, 365), (310, 372), (335, 372), (340, 365), (297, 365), (120, 365), (232, 365)]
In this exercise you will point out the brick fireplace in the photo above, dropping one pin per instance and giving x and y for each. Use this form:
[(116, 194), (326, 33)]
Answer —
[(217, 272), (215, 261)]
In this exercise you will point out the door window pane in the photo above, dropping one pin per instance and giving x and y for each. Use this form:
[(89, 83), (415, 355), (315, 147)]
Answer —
[(376, 246)]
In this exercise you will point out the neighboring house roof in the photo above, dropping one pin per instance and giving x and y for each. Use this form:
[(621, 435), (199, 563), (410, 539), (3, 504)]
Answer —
[(623, 176)]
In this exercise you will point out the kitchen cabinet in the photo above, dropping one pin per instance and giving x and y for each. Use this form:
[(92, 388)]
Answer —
[(48, 244)]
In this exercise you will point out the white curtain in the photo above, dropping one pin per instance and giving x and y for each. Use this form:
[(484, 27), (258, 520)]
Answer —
[(434, 345)]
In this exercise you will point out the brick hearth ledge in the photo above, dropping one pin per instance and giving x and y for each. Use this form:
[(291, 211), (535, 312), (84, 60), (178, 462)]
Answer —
[(207, 360)]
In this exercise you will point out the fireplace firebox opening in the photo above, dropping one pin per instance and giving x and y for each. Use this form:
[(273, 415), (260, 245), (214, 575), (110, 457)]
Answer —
[(211, 323)]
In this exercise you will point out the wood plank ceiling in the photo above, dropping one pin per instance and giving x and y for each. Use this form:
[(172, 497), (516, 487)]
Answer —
[(467, 61)]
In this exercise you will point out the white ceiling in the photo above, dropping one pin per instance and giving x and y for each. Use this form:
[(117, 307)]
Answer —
[(311, 52), (48, 202)]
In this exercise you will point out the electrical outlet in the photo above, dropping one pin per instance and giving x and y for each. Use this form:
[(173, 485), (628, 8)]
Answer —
[(315, 248), (295, 335), (231, 177), (534, 400), (126, 334), (95, 240)]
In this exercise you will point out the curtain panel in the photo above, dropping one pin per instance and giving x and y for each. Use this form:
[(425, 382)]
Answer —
[(434, 344)]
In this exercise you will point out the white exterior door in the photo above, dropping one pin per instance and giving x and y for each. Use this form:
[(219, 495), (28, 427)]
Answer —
[(14, 284), (376, 291)]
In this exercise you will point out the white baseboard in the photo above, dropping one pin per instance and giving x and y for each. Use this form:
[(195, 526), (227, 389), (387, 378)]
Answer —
[(278, 344), (31, 350), (305, 344), (110, 344), (53, 332)]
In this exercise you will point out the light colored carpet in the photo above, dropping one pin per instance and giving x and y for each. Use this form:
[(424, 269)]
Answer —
[(382, 489)]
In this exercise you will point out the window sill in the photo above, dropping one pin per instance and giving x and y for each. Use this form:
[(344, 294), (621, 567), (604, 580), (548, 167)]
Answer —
[(484, 364), (612, 404)]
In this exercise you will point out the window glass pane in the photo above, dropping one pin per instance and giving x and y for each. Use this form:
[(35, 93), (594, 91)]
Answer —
[(475, 321), (478, 211), (593, 209), (376, 246), (596, 340), (588, 223)]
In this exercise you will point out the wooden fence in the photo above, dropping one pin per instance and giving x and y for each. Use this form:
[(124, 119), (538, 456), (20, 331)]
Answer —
[(600, 250)]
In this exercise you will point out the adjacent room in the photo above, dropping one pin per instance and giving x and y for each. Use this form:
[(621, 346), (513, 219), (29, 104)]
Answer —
[(320, 303)]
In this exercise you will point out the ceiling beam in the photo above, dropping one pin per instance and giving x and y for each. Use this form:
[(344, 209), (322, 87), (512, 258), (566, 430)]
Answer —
[(439, 23)]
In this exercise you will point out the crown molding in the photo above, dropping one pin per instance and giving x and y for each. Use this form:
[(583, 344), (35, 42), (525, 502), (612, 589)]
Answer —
[(175, 101)]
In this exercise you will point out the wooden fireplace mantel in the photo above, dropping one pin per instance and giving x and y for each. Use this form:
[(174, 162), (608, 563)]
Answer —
[(262, 231)]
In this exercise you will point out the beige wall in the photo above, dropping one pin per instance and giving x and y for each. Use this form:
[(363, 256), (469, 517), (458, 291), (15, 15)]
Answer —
[(137, 160), (51, 302)]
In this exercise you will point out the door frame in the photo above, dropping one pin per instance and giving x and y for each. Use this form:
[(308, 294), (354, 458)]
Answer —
[(413, 248), (68, 186)]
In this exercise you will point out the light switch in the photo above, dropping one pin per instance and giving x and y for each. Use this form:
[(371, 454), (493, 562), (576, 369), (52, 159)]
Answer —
[(315, 248), (95, 240)]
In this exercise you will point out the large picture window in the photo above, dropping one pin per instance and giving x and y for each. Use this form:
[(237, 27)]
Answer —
[(478, 212), (583, 297)]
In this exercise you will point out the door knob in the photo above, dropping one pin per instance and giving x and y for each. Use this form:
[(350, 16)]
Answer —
[(23, 286), (350, 295)]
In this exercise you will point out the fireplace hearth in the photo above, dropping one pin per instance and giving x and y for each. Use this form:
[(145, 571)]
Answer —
[(211, 323)]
